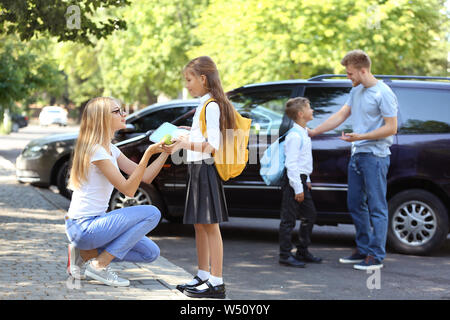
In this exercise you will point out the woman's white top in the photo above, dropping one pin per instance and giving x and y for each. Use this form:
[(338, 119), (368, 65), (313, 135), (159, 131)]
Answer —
[(212, 129), (92, 198), (299, 158)]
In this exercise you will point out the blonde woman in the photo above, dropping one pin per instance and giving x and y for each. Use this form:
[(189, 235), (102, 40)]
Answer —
[(98, 237)]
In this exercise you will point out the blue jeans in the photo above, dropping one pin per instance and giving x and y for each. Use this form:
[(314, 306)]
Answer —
[(366, 200), (122, 233)]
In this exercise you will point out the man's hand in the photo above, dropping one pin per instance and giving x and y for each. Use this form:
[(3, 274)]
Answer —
[(350, 137), (300, 197)]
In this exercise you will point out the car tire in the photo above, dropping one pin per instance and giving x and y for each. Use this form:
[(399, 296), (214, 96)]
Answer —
[(62, 179), (418, 222), (145, 195)]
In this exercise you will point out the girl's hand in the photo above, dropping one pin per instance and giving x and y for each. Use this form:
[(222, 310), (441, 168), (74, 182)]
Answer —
[(184, 127), (172, 148)]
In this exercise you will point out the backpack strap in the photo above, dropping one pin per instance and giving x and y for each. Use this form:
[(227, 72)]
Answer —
[(283, 137), (202, 118)]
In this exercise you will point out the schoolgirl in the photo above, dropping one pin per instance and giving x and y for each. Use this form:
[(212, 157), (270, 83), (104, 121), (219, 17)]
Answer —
[(205, 200)]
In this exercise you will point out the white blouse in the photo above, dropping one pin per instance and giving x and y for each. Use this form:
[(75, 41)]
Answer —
[(212, 129)]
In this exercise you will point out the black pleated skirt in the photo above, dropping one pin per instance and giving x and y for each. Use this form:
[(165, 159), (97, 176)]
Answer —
[(205, 198)]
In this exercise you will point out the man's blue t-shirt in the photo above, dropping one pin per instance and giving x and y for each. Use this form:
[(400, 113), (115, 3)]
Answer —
[(368, 107)]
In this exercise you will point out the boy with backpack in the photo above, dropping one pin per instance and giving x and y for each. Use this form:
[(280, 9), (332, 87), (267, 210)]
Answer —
[(296, 187)]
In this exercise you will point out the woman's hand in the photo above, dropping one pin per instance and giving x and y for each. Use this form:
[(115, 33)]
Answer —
[(155, 148)]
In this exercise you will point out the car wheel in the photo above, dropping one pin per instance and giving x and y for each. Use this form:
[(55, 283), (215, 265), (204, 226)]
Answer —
[(418, 222), (62, 179)]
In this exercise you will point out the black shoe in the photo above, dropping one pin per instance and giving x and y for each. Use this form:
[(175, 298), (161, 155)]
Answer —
[(306, 256), (183, 287), (291, 262), (216, 292)]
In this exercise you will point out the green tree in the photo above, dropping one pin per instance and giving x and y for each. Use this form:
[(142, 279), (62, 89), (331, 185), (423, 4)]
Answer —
[(147, 59), (26, 71), (56, 18), (266, 40)]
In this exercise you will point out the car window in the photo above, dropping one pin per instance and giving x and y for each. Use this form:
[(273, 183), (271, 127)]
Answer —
[(153, 120), (423, 110), (325, 101), (265, 108)]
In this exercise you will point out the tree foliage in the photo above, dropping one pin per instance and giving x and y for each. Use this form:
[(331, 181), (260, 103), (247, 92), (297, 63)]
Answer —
[(251, 41), (264, 40), (50, 17), (146, 60), (25, 71)]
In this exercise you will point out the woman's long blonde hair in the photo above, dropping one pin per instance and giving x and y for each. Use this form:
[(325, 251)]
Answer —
[(95, 129)]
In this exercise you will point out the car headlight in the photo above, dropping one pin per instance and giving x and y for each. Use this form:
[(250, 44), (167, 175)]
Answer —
[(34, 151)]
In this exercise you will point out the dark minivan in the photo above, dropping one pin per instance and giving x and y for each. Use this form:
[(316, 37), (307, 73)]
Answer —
[(418, 178)]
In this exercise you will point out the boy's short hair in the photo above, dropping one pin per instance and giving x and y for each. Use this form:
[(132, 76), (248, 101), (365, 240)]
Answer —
[(294, 105), (357, 58)]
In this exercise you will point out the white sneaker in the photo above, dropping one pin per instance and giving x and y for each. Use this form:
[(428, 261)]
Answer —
[(105, 275), (74, 263)]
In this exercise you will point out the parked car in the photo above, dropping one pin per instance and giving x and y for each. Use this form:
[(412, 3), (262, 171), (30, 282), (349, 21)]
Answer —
[(45, 161), (418, 178), (18, 121), (53, 115)]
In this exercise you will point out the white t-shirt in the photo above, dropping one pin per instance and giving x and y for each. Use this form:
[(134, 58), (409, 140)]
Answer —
[(212, 129), (92, 198)]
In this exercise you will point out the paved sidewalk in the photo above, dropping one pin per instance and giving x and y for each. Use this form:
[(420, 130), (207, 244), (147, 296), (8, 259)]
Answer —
[(33, 252)]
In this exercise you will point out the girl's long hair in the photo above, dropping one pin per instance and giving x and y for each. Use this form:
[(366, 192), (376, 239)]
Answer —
[(204, 65), (95, 129)]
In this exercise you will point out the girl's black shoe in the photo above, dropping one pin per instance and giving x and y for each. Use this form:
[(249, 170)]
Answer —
[(215, 292), (183, 287)]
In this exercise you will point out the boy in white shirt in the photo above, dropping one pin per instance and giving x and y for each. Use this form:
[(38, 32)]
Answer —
[(296, 187)]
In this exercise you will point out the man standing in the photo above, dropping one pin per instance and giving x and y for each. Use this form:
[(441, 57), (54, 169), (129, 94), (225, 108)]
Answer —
[(373, 107)]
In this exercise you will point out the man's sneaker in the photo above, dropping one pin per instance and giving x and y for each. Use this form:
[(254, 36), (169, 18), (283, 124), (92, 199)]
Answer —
[(105, 275), (74, 263), (356, 257), (370, 263)]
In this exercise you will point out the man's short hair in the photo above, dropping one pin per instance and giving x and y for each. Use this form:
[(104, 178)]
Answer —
[(357, 58), (294, 105)]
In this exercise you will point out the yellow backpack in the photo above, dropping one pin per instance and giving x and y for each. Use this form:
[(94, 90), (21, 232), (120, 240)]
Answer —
[(232, 156)]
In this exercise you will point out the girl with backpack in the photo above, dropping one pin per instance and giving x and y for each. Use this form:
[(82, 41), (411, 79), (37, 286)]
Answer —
[(205, 200)]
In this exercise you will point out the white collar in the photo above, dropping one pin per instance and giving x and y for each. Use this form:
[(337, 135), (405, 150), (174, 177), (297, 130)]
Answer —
[(298, 126), (205, 98)]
